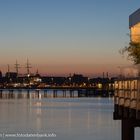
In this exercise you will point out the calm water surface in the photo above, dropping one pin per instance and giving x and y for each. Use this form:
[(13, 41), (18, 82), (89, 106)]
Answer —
[(69, 119)]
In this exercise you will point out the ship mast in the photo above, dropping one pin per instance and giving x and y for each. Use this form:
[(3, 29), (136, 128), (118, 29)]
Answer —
[(8, 68), (17, 66), (28, 66)]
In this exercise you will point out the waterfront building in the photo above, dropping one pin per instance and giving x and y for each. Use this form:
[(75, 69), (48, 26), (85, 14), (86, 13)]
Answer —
[(1, 79), (134, 25), (0, 74), (79, 79), (127, 90), (11, 76)]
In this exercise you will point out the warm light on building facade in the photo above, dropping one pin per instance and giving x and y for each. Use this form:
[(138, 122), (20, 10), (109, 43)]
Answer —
[(134, 25), (135, 33)]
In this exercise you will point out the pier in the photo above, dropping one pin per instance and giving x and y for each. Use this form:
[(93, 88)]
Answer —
[(54, 92), (36, 93), (127, 105)]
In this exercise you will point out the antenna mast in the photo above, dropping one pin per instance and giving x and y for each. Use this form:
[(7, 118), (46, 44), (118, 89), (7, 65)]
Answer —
[(8, 68)]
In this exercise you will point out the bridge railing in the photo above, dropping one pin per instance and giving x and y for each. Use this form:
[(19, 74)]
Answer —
[(127, 93)]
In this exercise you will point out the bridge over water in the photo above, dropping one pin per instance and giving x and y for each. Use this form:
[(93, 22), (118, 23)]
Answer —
[(55, 92)]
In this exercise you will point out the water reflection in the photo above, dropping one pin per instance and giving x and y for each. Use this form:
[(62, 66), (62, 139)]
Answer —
[(88, 119), (78, 118), (38, 113), (69, 115)]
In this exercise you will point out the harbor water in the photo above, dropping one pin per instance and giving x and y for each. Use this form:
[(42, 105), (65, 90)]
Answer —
[(59, 119)]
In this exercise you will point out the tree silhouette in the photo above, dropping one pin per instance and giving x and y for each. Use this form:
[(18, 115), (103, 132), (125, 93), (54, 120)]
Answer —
[(133, 52)]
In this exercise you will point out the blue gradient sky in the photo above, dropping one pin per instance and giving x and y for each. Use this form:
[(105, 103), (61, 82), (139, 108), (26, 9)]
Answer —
[(65, 36)]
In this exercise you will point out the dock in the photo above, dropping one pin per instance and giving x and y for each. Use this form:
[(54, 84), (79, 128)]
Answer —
[(127, 105)]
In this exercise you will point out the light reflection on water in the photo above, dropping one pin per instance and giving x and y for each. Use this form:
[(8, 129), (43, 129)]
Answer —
[(78, 118)]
